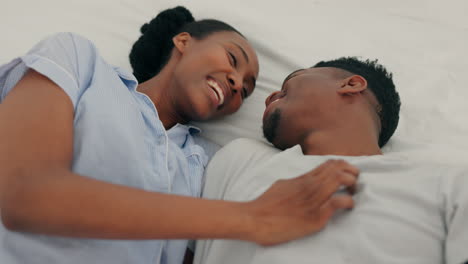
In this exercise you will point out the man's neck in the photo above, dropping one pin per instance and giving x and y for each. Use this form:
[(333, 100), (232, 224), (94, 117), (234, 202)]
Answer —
[(360, 142)]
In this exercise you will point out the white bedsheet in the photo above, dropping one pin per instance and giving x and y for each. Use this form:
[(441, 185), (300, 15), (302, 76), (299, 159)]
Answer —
[(422, 42)]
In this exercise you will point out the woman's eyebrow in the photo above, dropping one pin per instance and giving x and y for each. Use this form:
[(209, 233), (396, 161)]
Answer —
[(253, 81), (242, 50)]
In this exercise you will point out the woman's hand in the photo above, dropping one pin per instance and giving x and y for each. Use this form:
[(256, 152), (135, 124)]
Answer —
[(294, 208)]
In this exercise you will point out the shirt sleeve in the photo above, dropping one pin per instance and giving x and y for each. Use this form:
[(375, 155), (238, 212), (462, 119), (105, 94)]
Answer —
[(456, 217), (66, 59)]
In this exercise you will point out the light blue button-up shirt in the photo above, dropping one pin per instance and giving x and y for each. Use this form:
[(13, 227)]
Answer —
[(118, 138)]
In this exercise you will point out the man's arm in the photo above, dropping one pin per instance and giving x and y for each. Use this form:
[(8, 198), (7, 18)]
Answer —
[(39, 192)]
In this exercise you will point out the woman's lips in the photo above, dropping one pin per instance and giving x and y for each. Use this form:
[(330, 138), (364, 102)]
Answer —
[(217, 91)]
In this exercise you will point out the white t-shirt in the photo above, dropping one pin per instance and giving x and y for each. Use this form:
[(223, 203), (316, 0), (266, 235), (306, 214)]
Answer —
[(405, 212)]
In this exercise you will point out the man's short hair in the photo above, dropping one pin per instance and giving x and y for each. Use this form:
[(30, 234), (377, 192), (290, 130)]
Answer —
[(380, 82)]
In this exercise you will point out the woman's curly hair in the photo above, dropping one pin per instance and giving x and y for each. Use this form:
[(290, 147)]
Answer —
[(151, 52)]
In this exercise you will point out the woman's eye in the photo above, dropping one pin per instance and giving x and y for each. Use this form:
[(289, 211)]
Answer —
[(233, 59), (244, 93)]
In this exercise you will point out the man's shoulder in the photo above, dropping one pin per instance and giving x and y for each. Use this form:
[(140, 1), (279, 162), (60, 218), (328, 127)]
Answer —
[(233, 162), (249, 144), (245, 149)]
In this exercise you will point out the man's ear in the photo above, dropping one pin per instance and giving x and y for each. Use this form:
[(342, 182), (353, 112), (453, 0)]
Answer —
[(182, 41), (353, 85)]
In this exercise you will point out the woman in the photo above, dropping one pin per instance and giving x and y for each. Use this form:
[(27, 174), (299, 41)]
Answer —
[(96, 168)]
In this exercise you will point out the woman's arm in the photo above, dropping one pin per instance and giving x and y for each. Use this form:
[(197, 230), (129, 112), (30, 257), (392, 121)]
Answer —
[(39, 192)]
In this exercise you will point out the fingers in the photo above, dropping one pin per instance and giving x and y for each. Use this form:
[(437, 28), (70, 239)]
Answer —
[(349, 168), (303, 205), (335, 203), (331, 176), (332, 165), (341, 202), (317, 171)]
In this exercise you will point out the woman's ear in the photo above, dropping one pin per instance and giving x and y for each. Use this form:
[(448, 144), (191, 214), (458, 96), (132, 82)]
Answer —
[(182, 41), (353, 85)]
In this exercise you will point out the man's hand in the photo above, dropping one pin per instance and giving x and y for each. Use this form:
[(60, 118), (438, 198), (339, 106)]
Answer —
[(302, 205)]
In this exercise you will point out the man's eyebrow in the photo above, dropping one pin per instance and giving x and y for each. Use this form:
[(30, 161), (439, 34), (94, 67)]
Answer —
[(243, 51)]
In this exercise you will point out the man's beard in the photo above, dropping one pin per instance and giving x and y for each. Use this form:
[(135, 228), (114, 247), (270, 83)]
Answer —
[(271, 124)]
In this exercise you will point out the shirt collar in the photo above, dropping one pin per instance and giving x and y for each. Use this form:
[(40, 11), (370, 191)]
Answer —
[(179, 133), (128, 78)]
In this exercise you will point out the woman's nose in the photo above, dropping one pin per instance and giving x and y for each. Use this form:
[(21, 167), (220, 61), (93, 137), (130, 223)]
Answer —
[(235, 82)]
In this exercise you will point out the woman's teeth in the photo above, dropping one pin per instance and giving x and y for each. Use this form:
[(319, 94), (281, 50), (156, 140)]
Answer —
[(218, 91)]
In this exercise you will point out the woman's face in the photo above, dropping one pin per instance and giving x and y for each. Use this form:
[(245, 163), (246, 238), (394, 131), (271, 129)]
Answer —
[(214, 75)]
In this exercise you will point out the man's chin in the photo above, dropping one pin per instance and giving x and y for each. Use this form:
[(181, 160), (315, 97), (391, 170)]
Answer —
[(270, 126)]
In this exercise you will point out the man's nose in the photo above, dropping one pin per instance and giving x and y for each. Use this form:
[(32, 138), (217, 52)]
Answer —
[(271, 98)]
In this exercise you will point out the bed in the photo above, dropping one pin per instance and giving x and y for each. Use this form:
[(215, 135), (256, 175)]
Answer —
[(422, 42)]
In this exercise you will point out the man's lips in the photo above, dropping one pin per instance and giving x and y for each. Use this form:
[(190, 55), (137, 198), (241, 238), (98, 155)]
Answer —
[(270, 107)]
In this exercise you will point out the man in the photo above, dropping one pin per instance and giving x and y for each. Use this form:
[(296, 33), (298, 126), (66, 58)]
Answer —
[(344, 109)]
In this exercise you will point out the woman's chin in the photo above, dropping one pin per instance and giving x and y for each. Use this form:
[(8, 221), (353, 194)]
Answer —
[(202, 115)]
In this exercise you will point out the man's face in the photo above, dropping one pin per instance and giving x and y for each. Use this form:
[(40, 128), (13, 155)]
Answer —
[(307, 101)]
